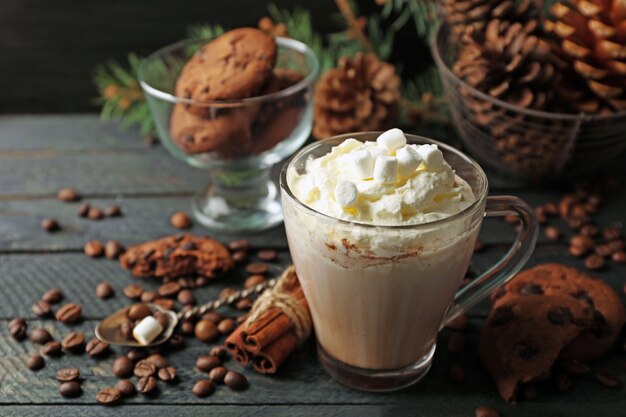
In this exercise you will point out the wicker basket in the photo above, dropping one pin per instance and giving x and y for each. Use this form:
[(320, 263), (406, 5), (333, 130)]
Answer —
[(521, 142)]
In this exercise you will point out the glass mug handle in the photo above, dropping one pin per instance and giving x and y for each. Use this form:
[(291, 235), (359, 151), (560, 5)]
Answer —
[(509, 265)]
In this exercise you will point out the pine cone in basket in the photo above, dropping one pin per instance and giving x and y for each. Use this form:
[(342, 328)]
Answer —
[(592, 38), (463, 16), (360, 94)]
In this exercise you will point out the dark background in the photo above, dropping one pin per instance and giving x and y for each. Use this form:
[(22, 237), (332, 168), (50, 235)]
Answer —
[(49, 48)]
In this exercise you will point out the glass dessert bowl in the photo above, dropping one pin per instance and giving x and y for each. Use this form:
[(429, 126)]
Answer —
[(237, 141)]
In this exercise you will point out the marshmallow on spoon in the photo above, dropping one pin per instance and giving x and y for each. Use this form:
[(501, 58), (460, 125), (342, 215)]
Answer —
[(363, 164), (346, 193), (391, 140), (147, 330), (408, 161), (385, 169), (433, 158)]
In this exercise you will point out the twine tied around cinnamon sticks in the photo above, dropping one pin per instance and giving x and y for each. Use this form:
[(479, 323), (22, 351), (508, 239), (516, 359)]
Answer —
[(278, 322)]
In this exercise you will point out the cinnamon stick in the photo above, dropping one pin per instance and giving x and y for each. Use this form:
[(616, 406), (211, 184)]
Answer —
[(269, 360), (234, 345)]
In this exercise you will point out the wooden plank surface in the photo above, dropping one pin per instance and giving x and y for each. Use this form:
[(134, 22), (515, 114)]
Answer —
[(39, 154)]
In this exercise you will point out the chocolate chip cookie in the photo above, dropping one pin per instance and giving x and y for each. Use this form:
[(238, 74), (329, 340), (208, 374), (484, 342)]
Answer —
[(227, 133), (524, 335), (235, 65), (176, 256), (561, 280)]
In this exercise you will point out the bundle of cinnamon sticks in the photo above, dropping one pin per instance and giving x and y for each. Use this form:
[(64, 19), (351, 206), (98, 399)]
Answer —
[(278, 322)]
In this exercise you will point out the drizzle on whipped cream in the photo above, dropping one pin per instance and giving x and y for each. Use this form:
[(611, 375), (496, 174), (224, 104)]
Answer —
[(383, 182)]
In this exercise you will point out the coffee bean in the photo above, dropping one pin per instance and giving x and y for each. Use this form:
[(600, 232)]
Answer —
[(123, 367), (240, 256), (93, 248), (206, 363), (144, 368), (607, 378), (50, 225), (457, 343), (227, 292), (109, 396), (138, 311), (126, 387), (584, 242), (68, 194), (96, 348), (218, 374), (148, 296), (137, 354), (94, 213), (180, 220), (552, 233), (133, 291), (485, 411), (176, 341), (166, 303), (157, 360), (52, 296), (52, 348), (459, 323), (577, 251), (73, 341), (257, 268), (267, 255), (244, 304), (206, 331), (82, 210), (575, 367), (113, 249), (213, 316), (41, 308), (70, 389), (203, 388), (236, 381), (253, 281), (616, 245), (457, 373), (619, 257), (67, 374), (589, 230), (603, 250), (146, 384), (104, 290), (35, 363), (167, 374), (186, 297), (238, 245), (113, 211), (594, 262), (187, 328), (226, 326), (69, 313), (40, 336), (611, 233), (219, 352), (169, 290), (18, 328)]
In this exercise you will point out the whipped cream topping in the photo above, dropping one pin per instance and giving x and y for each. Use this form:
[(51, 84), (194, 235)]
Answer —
[(383, 182)]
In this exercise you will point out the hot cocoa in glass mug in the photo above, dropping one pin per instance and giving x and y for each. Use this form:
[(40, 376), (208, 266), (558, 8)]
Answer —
[(380, 294)]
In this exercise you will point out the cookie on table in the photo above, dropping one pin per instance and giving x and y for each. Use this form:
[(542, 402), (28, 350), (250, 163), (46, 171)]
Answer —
[(228, 134), (524, 336), (233, 66), (554, 279), (177, 256)]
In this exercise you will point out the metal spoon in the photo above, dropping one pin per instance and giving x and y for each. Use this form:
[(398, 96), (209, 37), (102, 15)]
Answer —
[(108, 329)]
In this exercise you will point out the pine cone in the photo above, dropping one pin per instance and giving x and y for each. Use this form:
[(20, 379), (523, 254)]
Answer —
[(361, 94), (463, 16), (592, 38)]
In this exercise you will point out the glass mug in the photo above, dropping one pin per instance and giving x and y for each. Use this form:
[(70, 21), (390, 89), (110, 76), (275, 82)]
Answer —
[(380, 294)]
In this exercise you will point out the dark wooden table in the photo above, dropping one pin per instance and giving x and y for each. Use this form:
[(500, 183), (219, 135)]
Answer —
[(40, 154)]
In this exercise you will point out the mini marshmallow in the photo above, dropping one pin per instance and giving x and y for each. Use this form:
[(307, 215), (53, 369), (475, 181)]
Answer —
[(385, 169), (391, 140), (362, 163), (346, 193), (433, 158), (408, 161), (147, 330)]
